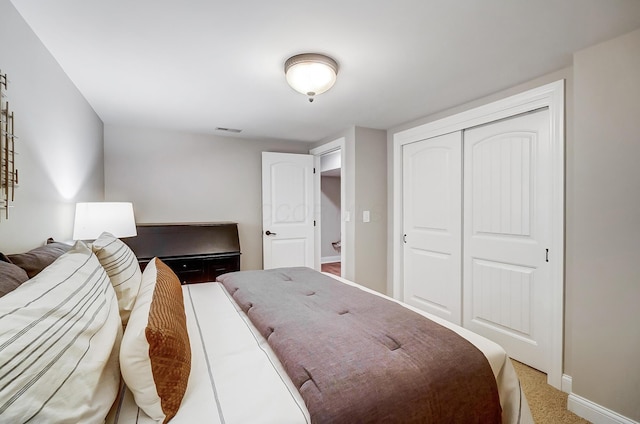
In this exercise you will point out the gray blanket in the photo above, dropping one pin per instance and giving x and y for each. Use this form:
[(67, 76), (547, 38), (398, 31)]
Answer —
[(358, 358)]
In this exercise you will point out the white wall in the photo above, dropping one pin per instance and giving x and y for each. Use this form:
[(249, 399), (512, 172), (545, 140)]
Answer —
[(184, 177), (603, 246), (330, 215), (60, 149)]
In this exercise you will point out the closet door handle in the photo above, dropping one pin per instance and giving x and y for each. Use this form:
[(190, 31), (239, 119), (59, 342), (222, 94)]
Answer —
[(269, 233)]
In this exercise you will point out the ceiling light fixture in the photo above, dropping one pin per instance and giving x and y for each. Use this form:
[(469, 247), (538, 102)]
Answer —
[(311, 73)]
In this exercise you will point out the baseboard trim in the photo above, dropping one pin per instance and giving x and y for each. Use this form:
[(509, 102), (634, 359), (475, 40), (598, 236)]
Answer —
[(329, 259), (595, 413), (566, 384)]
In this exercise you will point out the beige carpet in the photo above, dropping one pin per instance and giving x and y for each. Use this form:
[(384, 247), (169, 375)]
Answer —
[(548, 405)]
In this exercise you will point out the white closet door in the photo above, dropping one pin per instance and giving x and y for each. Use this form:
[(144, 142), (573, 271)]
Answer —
[(432, 196), (507, 199)]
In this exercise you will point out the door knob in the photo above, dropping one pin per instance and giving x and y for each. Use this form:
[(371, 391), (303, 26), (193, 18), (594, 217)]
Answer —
[(269, 233)]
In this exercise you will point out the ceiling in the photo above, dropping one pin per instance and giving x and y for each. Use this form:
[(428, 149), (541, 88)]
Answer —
[(195, 65)]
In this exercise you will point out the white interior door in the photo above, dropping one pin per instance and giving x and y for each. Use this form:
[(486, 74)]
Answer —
[(432, 196), (507, 202), (287, 210)]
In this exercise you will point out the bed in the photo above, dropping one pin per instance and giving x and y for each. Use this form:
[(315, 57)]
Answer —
[(233, 374)]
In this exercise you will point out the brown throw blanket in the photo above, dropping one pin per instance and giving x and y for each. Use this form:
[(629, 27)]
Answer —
[(358, 358)]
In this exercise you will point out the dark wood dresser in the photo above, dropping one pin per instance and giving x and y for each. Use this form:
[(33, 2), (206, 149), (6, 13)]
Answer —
[(196, 252)]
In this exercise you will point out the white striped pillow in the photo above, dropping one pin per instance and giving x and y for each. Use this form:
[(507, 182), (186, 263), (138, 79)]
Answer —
[(122, 268), (60, 334)]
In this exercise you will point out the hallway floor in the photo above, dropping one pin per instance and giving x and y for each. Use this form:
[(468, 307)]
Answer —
[(332, 268)]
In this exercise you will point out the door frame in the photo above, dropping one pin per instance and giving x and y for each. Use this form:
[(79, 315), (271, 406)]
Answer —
[(550, 96), (317, 152)]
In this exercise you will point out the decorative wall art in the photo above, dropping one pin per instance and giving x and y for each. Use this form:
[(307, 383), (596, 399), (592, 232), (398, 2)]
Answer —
[(8, 171)]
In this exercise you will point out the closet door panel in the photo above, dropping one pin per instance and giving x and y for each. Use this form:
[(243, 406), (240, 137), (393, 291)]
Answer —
[(432, 195), (506, 233)]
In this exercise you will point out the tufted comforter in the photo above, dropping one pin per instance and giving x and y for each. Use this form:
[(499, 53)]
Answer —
[(356, 357)]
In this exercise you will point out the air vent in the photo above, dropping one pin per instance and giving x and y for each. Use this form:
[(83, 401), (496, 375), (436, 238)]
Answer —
[(231, 130)]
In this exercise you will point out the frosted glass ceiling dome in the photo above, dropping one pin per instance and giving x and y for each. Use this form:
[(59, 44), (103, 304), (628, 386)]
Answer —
[(311, 73)]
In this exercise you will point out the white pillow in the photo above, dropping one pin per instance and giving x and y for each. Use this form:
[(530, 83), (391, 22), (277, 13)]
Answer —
[(60, 334), (122, 268)]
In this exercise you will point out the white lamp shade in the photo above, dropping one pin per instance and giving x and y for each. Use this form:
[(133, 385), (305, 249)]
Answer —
[(311, 74), (94, 218)]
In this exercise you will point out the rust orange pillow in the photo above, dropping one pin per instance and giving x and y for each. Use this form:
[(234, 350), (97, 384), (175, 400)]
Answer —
[(155, 357)]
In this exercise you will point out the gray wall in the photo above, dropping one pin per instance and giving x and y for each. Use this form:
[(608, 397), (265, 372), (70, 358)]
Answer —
[(60, 149), (365, 173), (364, 164), (184, 177), (603, 243), (370, 194)]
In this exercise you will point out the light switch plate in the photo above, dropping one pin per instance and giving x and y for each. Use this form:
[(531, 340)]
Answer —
[(366, 216)]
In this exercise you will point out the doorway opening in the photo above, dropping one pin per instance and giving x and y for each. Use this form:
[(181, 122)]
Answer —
[(330, 212), (330, 194)]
